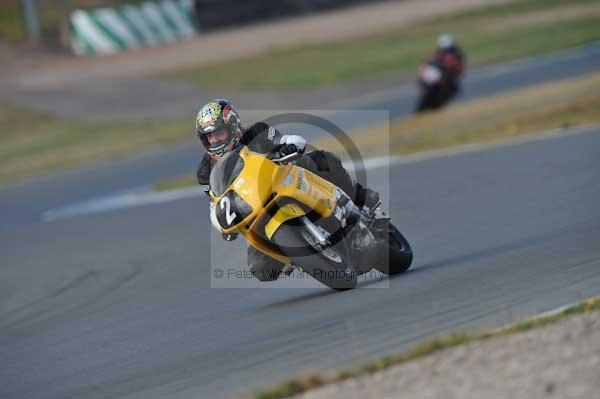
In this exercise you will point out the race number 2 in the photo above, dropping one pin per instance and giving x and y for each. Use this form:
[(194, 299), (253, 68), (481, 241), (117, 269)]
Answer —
[(229, 216)]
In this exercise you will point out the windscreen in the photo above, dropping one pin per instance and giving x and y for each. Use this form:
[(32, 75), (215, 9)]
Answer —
[(225, 171)]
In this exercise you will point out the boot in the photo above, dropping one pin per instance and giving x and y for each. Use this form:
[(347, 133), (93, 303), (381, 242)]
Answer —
[(366, 197)]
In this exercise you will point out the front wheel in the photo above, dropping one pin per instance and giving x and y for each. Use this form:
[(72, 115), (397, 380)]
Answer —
[(396, 253), (327, 266), (424, 102)]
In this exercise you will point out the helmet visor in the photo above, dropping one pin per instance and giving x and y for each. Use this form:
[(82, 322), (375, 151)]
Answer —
[(218, 141)]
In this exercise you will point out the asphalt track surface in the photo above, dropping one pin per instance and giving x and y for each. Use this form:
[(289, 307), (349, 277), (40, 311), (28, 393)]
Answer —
[(498, 234), (119, 304)]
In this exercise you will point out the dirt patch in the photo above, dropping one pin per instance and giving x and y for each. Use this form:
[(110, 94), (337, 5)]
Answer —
[(561, 360), (16, 58), (544, 17)]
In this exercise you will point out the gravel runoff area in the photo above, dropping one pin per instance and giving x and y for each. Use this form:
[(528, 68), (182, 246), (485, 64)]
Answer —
[(561, 360), (245, 41)]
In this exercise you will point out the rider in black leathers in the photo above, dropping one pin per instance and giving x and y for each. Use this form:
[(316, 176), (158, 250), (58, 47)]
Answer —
[(219, 128)]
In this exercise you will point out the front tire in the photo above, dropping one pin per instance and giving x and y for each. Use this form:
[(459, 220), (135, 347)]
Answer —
[(332, 271), (423, 103)]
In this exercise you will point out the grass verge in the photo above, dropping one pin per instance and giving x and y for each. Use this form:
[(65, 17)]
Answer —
[(299, 385), (532, 110), (177, 182), (33, 143), (489, 34)]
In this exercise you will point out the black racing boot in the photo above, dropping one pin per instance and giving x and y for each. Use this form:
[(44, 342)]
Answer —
[(366, 197)]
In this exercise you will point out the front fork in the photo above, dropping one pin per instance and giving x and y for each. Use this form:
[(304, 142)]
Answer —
[(316, 233)]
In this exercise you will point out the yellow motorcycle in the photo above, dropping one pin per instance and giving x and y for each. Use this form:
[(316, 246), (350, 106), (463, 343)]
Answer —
[(303, 220)]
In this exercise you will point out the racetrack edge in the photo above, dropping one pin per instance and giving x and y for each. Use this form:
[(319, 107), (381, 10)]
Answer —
[(310, 382)]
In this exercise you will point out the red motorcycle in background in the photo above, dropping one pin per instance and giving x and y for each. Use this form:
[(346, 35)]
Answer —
[(439, 77)]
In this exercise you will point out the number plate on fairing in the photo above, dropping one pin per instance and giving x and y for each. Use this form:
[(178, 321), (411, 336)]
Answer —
[(231, 210)]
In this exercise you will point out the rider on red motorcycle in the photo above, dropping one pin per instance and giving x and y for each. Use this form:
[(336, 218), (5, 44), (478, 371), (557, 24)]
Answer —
[(452, 59)]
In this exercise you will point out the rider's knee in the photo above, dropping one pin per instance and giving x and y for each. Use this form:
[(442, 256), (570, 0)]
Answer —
[(265, 272), (324, 161)]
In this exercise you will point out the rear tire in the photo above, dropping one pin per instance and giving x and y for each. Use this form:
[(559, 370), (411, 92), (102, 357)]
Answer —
[(322, 268), (398, 250)]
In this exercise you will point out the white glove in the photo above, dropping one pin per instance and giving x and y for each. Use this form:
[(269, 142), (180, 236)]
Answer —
[(292, 139)]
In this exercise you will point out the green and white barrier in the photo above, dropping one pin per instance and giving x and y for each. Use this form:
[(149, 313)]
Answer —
[(110, 30)]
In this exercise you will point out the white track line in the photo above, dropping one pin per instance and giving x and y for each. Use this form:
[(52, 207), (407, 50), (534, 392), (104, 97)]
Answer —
[(120, 201), (146, 196)]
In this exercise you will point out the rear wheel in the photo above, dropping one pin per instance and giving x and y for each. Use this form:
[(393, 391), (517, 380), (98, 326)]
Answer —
[(396, 253), (327, 266)]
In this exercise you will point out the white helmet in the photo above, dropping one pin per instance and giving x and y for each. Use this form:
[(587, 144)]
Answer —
[(445, 41)]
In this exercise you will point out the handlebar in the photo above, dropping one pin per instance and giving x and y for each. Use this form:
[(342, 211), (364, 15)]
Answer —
[(287, 158)]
